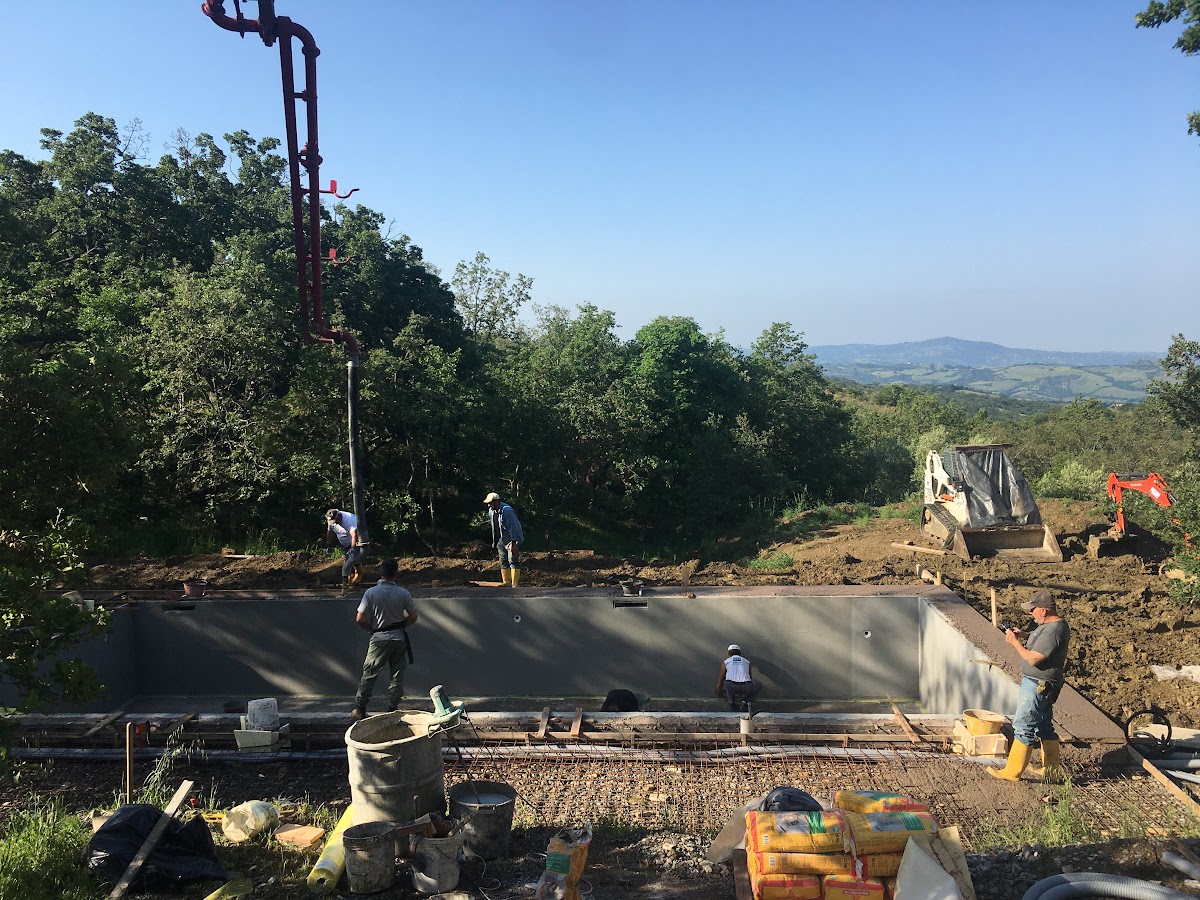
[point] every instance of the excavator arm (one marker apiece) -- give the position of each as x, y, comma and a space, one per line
1149, 483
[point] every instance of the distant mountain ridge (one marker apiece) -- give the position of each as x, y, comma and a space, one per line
1113, 376
948, 351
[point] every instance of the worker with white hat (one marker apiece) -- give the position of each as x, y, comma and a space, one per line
506, 538
736, 680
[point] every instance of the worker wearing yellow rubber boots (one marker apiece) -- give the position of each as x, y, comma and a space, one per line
506, 538
1043, 665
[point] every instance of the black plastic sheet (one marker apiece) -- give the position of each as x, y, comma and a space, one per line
186, 851
997, 493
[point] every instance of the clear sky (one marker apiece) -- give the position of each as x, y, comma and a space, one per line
872, 172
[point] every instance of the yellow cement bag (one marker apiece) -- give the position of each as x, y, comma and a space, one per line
795, 832
783, 885
565, 858
885, 832
847, 887
877, 865
801, 863
876, 801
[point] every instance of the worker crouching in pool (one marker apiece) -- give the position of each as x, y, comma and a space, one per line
1043, 666
736, 680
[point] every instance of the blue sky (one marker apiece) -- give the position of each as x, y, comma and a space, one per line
871, 172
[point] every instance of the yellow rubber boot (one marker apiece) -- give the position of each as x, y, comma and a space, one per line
505, 577
1018, 759
1051, 769
515, 577
356, 575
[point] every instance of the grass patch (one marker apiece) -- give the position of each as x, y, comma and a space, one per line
772, 562
1059, 822
799, 522
40, 853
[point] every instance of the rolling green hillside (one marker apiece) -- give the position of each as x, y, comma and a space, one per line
1047, 382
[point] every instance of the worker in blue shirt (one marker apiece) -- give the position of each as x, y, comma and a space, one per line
506, 538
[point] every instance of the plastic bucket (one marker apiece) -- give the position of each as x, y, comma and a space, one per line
370, 856
396, 772
487, 808
435, 863
983, 721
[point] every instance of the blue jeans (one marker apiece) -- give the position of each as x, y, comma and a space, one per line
509, 559
353, 558
1034, 719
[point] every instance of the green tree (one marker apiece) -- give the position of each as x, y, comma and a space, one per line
487, 301
1158, 14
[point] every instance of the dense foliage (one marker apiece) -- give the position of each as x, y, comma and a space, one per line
156, 386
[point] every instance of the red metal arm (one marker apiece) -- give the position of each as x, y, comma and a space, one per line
1149, 483
307, 234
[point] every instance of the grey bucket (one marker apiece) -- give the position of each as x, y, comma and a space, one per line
487, 810
370, 856
396, 771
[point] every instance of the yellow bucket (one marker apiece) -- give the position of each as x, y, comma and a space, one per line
983, 721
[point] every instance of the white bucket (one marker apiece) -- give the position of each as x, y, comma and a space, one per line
262, 715
245, 821
435, 863
370, 856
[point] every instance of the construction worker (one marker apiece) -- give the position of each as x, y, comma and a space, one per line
736, 680
344, 526
1043, 666
386, 611
506, 538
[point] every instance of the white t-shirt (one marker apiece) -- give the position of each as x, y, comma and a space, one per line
737, 668
343, 531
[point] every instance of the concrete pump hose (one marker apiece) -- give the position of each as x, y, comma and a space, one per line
1099, 884
1186, 866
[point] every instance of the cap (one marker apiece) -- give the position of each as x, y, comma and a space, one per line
331, 515
1041, 599
733, 648
491, 498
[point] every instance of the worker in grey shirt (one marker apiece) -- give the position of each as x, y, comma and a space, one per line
386, 611
1043, 667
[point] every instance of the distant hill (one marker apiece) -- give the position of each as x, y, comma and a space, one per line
1113, 376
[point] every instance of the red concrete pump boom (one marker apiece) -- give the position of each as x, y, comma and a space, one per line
306, 216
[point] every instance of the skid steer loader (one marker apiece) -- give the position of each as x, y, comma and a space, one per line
978, 504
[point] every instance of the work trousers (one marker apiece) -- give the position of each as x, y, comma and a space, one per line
737, 692
1034, 719
353, 558
380, 654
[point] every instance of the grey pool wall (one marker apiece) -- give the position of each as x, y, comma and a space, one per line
910, 643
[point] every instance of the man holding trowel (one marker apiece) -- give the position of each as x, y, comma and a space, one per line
344, 526
506, 538
1043, 666
386, 611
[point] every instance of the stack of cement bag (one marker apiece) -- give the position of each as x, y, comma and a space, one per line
849, 852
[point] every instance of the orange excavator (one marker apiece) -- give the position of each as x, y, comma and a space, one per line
1149, 483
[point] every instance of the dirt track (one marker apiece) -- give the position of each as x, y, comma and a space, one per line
1121, 616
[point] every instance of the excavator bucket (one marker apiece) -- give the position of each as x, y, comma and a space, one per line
1028, 543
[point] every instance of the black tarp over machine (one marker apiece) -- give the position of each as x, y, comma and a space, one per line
977, 503
306, 203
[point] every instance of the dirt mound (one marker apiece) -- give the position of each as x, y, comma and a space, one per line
1122, 618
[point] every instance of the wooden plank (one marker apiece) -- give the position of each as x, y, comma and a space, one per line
664, 737
178, 722
577, 722
915, 549
152, 839
544, 724
128, 762
906, 725
103, 723
1171, 787
741, 876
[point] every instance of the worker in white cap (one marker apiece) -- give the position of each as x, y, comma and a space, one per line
736, 680
506, 538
